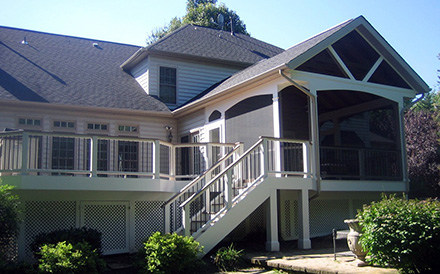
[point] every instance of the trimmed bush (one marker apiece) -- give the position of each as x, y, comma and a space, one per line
228, 258
401, 233
169, 253
70, 258
72, 236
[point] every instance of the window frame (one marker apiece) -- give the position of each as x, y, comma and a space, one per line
29, 126
167, 85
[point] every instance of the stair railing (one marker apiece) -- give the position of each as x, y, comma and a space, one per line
224, 189
172, 206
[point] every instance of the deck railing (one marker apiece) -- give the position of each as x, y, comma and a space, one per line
208, 196
360, 164
37, 153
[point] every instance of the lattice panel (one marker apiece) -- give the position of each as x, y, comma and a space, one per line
287, 229
47, 216
257, 220
112, 221
148, 218
290, 225
326, 215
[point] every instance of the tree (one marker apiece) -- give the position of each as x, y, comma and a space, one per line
423, 151
203, 13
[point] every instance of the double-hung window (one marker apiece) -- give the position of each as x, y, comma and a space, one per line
167, 85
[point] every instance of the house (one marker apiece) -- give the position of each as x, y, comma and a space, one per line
206, 133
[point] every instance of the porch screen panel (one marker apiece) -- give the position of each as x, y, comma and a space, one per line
249, 119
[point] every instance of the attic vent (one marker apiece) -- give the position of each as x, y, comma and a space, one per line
24, 42
96, 45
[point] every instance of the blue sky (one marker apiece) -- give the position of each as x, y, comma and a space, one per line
411, 27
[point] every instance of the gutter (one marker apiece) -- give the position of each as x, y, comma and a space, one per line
315, 118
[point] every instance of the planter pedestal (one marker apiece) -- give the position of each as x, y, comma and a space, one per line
353, 240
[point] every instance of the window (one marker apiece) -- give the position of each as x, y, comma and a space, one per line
130, 129
167, 88
63, 151
63, 124
94, 126
29, 122
128, 156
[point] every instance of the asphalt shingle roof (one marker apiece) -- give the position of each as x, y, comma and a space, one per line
272, 63
69, 70
197, 41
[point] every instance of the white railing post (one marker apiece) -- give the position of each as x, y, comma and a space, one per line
209, 159
94, 156
24, 153
156, 159
228, 189
306, 159
172, 162
265, 158
186, 222
167, 216
277, 156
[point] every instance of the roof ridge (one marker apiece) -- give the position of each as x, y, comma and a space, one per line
167, 36
68, 36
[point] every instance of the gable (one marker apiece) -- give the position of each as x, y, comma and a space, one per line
353, 57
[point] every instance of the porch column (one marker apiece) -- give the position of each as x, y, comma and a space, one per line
304, 226
276, 132
272, 243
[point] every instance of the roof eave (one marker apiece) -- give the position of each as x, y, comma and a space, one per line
63, 108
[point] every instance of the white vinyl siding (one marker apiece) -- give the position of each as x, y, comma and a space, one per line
192, 77
190, 122
141, 73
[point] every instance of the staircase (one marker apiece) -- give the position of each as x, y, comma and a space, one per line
218, 200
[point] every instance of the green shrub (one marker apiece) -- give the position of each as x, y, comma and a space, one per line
9, 220
69, 258
402, 233
72, 236
169, 253
228, 258
14, 267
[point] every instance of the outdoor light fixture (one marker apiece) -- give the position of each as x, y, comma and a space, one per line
170, 134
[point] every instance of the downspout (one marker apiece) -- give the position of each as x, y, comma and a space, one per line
314, 118
403, 140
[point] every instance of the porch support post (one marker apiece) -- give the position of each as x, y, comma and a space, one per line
276, 132
186, 222
304, 226
272, 243
167, 216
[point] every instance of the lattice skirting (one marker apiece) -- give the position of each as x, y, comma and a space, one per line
124, 224
47, 216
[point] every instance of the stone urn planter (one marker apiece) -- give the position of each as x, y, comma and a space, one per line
353, 240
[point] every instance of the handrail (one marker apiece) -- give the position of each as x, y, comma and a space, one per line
199, 177
198, 193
